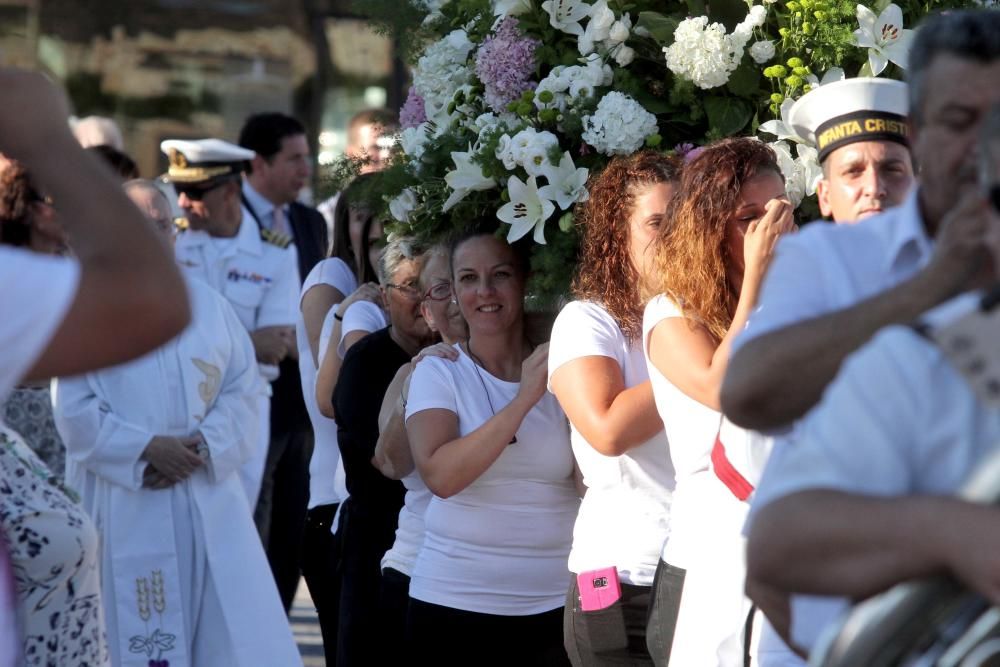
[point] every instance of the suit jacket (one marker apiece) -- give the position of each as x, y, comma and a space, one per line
288, 409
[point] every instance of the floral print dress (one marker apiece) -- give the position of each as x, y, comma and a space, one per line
54, 556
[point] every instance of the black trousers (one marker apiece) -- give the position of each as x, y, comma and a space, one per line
439, 635
321, 556
281, 508
579, 629
393, 603
668, 584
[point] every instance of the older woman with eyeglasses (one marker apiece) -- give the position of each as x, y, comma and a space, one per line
368, 523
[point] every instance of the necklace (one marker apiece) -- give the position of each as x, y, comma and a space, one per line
476, 363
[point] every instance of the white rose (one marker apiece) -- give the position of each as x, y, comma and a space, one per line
504, 153
624, 55
619, 31
403, 205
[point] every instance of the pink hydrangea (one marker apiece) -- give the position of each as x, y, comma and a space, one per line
412, 114
505, 63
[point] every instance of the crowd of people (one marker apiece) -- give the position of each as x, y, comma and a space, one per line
731, 430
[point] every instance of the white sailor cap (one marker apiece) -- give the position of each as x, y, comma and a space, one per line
204, 160
844, 112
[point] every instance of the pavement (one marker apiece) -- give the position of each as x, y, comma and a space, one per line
305, 626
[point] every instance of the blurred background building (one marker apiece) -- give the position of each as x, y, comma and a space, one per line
196, 68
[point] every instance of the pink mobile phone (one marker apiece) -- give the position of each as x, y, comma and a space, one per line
599, 589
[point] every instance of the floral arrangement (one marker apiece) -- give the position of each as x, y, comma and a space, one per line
514, 103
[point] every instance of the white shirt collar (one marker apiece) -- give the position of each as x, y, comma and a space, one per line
907, 240
260, 204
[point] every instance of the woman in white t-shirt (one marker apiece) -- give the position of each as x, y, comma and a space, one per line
598, 373
489, 583
357, 241
709, 262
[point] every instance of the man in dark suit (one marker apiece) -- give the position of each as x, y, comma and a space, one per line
277, 174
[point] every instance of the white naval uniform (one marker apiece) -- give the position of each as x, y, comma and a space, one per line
184, 574
899, 420
258, 274
823, 269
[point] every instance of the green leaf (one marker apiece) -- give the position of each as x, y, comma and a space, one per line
727, 115
745, 80
727, 12
697, 7
660, 27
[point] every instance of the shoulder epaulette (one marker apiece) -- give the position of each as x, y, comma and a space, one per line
181, 224
275, 239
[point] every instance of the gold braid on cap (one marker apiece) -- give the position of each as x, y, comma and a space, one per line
181, 171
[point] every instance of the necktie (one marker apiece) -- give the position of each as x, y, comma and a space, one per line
279, 223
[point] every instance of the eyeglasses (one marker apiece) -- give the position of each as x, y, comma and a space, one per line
409, 291
439, 292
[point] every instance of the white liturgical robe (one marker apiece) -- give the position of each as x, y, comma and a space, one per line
185, 579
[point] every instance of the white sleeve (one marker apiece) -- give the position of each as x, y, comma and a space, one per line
865, 434
362, 316
793, 289
38, 292
280, 304
584, 330
432, 386
95, 438
231, 425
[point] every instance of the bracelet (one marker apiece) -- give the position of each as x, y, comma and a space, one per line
337, 316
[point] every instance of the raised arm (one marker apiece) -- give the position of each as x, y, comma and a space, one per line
449, 463
779, 376
130, 297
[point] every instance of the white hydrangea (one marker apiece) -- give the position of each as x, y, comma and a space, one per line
762, 51
442, 70
619, 126
703, 54
414, 141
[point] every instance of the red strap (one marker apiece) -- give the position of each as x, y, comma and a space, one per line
727, 474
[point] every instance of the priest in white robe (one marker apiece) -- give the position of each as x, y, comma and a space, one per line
155, 447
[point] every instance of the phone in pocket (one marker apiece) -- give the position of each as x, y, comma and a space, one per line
602, 609
599, 589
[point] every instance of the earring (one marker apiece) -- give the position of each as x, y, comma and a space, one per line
454, 301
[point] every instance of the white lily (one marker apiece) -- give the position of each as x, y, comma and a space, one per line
808, 163
467, 177
782, 128
504, 8
832, 75
566, 183
403, 204
598, 27
795, 185
883, 36
526, 210
566, 15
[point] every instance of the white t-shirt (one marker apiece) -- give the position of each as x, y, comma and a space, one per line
500, 546
691, 428
410, 529
361, 316
326, 472
625, 516
39, 291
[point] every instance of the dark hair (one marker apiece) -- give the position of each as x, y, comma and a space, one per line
487, 227
263, 133
969, 34
691, 252
352, 196
605, 273
367, 273
119, 161
16, 197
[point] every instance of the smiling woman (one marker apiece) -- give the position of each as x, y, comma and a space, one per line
493, 447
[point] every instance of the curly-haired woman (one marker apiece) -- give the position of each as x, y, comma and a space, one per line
598, 373
706, 272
